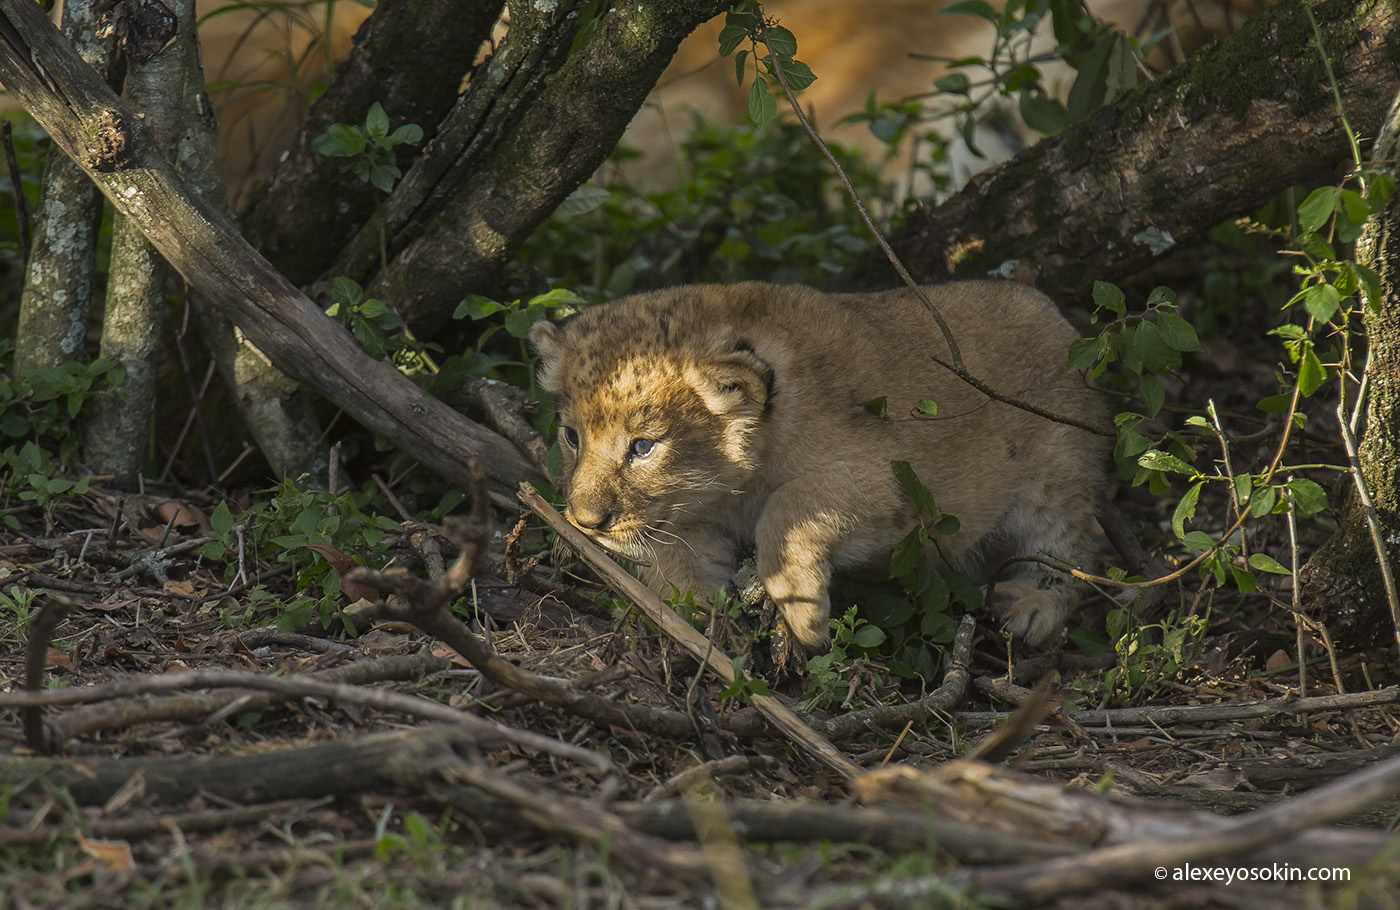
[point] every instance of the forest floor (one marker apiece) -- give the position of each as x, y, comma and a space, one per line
211, 743
418, 813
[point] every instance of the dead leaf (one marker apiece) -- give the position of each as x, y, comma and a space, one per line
442, 650
114, 854
338, 560
182, 587
57, 658
188, 519
1278, 660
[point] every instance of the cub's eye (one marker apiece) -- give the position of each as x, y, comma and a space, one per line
641, 448
570, 436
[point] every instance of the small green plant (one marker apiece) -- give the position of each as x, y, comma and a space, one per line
369, 149
852, 638
315, 532
18, 609
744, 687
1150, 654
45, 404
379, 330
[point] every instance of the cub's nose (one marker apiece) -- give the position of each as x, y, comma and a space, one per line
590, 518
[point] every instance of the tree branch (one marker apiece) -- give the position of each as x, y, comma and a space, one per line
116, 150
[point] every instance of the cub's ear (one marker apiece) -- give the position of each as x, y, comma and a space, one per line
737, 384
547, 338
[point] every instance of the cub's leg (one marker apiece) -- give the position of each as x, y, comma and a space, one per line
1056, 519
810, 524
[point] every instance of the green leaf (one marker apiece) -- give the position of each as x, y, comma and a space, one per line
1186, 509
947, 525
520, 321
869, 636
739, 61
475, 306
1244, 580
1151, 392
376, 121
1317, 208
346, 291
906, 555
1091, 85
408, 134
1042, 114
913, 488
1356, 208
1262, 562
762, 106
798, 74
1274, 404
1322, 302
1261, 501
221, 519
1311, 373
1244, 487
1371, 285
927, 406
877, 407
1157, 460
1177, 333
1110, 297
1198, 541
782, 41
1308, 497
953, 84
340, 140
1083, 353
736, 29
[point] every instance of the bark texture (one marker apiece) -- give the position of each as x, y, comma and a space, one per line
134, 315
57, 296
1207, 141
525, 136
116, 150
309, 210
1342, 583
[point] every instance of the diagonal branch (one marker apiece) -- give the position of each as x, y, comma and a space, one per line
115, 148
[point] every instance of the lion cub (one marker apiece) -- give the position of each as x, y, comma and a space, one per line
698, 420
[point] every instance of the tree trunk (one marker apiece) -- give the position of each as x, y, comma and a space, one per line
1207, 141
517, 144
134, 315
410, 56
115, 148
57, 296
1342, 584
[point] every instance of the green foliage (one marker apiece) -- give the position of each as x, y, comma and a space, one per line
744, 23
753, 204
1150, 655
744, 687
501, 350
369, 149
45, 406
17, 610
852, 638
378, 329
906, 619
305, 529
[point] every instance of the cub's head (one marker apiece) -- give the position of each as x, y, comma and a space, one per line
658, 419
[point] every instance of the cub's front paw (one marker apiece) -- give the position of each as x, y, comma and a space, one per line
1034, 614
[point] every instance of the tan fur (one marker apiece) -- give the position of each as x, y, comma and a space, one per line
754, 395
